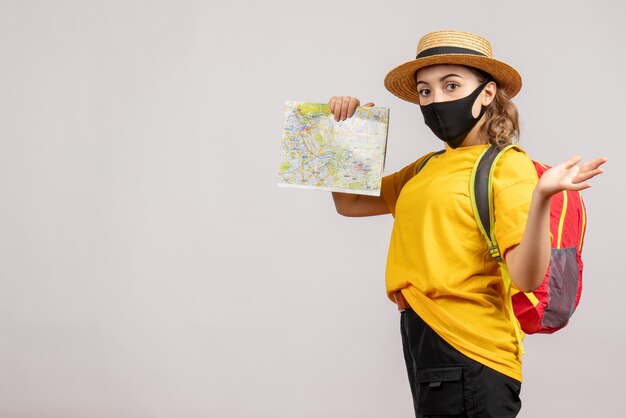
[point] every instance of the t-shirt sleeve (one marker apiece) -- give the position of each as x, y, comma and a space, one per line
514, 181
393, 183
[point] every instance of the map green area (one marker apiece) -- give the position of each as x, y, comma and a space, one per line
320, 153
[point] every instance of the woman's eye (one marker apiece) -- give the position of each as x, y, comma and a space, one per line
451, 86
424, 92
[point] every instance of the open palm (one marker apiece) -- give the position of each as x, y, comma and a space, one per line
570, 175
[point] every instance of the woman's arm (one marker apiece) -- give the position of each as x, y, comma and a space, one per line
359, 205
527, 262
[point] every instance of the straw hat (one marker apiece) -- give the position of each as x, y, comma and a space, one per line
451, 47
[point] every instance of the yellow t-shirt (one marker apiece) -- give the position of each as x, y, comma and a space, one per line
439, 258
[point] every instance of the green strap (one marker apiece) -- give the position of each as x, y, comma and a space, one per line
428, 157
481, 195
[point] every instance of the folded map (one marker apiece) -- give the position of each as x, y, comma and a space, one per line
321, 153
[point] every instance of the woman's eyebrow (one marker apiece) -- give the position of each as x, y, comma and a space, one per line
442, 78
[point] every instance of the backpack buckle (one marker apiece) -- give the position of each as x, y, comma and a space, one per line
495, 252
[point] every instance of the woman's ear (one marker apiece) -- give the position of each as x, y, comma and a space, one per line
489, 93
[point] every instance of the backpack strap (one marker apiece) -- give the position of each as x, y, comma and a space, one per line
481, 192
481, 195
427, 158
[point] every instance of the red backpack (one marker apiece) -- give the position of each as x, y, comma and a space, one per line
551, 305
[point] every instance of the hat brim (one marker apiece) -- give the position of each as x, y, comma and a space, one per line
401, 80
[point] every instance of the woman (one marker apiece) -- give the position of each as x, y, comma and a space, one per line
462, 352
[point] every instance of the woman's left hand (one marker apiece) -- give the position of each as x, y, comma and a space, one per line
569, 176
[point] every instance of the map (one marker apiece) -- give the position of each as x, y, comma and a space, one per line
321, 153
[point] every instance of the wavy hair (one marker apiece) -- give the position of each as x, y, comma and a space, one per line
501, 126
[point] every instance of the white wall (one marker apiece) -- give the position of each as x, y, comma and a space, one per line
149, 264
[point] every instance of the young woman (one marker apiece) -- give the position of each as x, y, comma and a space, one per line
461, 350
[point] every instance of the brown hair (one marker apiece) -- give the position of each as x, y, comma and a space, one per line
501, 126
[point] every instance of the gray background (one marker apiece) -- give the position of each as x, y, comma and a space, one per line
149, 264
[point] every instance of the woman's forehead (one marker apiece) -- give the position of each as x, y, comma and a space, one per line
439, 70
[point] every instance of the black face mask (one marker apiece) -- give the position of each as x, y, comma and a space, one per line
452, 121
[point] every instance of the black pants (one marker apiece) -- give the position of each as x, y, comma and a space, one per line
446, 383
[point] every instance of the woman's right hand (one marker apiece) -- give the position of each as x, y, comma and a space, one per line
343, 107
